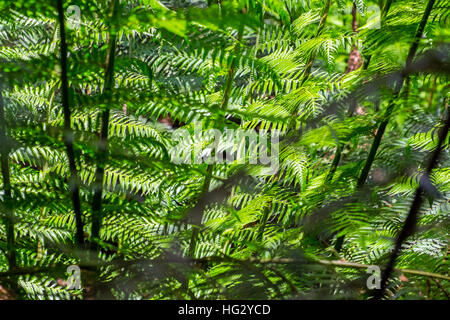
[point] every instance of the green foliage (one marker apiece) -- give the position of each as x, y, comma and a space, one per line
172, 230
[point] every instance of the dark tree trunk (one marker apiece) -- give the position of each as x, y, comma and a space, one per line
74, 183
8, 206
398, 87
102, 151
411, 220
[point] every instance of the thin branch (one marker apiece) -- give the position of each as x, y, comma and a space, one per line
347, 264
125, 263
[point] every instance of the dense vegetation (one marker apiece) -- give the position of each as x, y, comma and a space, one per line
94, 93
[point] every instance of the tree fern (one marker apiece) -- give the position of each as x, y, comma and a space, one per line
107, 139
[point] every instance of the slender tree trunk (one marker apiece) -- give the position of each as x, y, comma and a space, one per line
411, 220
231, 72
433, 90
386, 8
255, 54
354, 59
74, 183
223, 105
102, 151
382, 127
335, 163
384, 12
322, 22
8, 207
354, 62
263, 223
397, 88
205, 188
